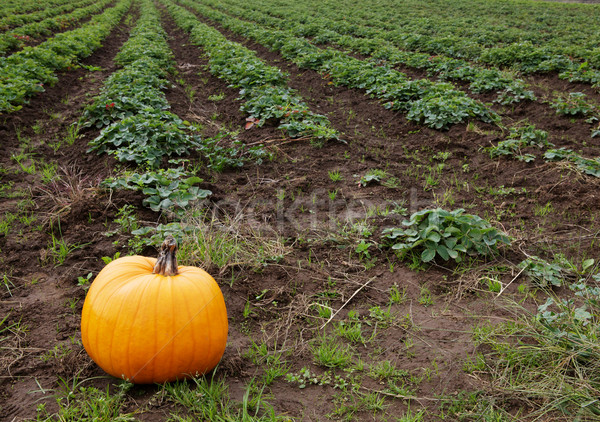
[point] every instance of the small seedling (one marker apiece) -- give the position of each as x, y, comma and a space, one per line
335, 176
425, 297
84, 281
397, 296
107, 259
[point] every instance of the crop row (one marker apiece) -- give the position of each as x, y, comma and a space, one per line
471, 28
16, 20
56, 20
14, 7
487, 23
132, 111
369, 41
264, 89
464, 37
132, 107
314, 28
24, 73
437, 105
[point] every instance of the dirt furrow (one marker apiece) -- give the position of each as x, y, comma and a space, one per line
374, 133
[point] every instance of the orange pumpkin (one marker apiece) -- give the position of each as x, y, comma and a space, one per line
147, 320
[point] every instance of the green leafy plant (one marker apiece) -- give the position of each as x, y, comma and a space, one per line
447, 234
573, 104
305, 377
515, 93
590, 166
135, 89
154, 236
145, 139
84, 281
440, 109
221, 153
165, 189
521, 137
372, 176
542, 272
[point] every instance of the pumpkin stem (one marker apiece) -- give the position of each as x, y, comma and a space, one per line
166, 263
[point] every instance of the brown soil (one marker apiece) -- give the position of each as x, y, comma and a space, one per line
433, 341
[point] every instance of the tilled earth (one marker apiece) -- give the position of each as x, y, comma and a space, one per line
547, 208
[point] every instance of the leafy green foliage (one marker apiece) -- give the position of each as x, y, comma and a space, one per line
154, 236
132, 106
439, 110
371, 41
590, 166
559, 154
136, 89
25, 72
521, 137
437, 105
573, 323
573, 104
515, 93
145, 139
165, 189
147, 41
48, 20
263, 88
542, 272
372, 176
581, 73
447, 234
220, 153
417, 39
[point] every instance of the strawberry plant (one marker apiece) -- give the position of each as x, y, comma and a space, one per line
521, 137
573, 104
439, 110
515, 93
168, 189
219, 157
581, 73
136, 89
542, 272
590, 166
447, 234
145, 139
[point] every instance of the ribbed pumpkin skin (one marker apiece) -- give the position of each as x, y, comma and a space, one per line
150, 328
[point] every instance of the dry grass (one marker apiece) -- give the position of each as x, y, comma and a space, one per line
220, 241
